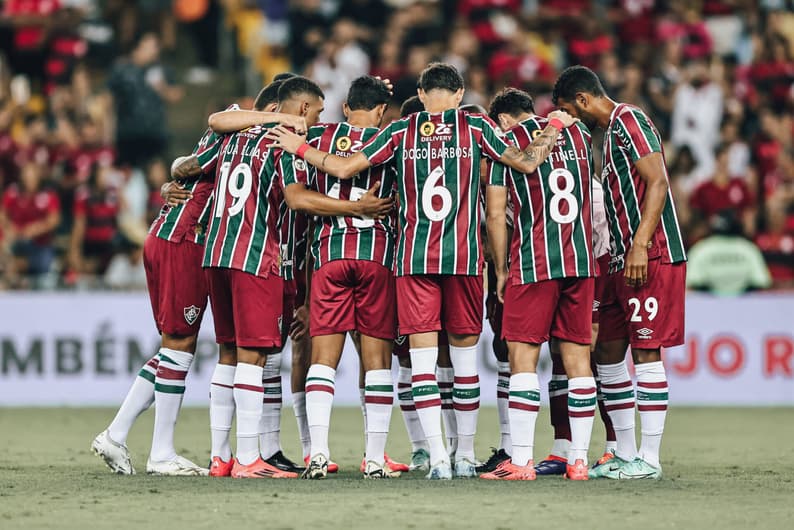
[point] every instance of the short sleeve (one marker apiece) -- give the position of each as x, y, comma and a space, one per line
491, 143
314, 135
292, 170
208, 153
381, 147
497, 173
637, 134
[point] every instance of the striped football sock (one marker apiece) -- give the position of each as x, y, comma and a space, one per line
466, 398
299, 408
379, 398
248, 394
221, 410
445, 376
581, 411
502, 401
652, 395
602, 412
362, 399
618, 393
558, 408
406, 399
169, 389
270, 421
319, 399
139, 397
427, 400
524, 406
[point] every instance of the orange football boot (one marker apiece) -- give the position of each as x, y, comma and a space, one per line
507, 471
577, 471
259, 469
219, 468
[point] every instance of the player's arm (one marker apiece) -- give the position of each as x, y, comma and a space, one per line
652, 172
340, 167
528, 160
185, 167
228, 121
496, 225
311, 202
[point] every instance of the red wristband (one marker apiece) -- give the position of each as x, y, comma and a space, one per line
301, 152
557, 123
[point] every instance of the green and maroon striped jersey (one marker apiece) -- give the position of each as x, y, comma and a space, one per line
630, 137
189, 219
249, 210
437, 157
552, 208
350, 237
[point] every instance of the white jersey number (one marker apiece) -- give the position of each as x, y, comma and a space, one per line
355, 195
560, 195
434, 189
651, 307
238, 184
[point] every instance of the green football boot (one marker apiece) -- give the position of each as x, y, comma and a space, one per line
608, 469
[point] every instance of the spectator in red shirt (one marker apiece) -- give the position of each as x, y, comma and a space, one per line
723, 193
29, 218
95, 227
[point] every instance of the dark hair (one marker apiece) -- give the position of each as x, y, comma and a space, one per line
511, 101
366, 93
575, 79
411, 105
298, 85
268, 95
721, 149
473, 108
440, 75
283, 76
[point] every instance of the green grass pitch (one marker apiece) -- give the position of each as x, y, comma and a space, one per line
724, 468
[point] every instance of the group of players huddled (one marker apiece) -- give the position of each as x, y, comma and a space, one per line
308, 231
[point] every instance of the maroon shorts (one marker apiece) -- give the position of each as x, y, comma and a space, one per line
289, 306
402, 346
247, 309
602, 271
649, 317
434, 302
351, 294
561, 308
177, 287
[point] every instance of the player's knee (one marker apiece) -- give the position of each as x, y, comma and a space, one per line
184, 343
646, 356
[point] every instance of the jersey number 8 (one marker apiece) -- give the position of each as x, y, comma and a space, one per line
560, 195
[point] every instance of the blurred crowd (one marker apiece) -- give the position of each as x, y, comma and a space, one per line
84, 144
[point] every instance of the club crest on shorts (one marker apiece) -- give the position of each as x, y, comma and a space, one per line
191, 314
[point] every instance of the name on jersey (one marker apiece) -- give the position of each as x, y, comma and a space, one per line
248, 151
435, 132
428, 153
569, 155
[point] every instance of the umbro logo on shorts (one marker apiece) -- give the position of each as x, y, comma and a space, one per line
191, 314
645, 333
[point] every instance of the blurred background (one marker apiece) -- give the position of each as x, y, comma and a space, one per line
98, 96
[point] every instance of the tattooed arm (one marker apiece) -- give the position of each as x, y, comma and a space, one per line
185, 167
527, 161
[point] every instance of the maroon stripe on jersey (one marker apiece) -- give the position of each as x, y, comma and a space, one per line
379, 400
634, 129
523, 406
427, 404
423, 377
464, 136
320, 388
246, 228
170, 374
467, 380
652, 384
412, 203
651, 408
252, 388
583, 391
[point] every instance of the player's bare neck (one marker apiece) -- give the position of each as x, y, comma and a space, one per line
363, 118
603, 112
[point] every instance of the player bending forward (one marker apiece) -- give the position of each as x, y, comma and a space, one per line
549, 289
439, 255
643, 304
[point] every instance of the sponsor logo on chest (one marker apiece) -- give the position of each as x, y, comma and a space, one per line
435, 132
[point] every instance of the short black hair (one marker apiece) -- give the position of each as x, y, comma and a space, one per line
440, 75
411, 105
511, 101
575, 79
366, 93
283, 76
298, 85
268, 95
